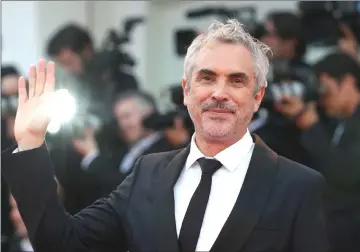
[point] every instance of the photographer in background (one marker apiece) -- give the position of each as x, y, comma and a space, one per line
116, 159
73, 49
9, 91
283, 33
336, 154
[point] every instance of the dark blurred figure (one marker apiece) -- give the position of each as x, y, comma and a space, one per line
178, 135
130, 141
20, 241
9, 88
73, 49
336, 154
284, 34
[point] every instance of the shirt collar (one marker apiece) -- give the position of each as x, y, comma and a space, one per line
239, 149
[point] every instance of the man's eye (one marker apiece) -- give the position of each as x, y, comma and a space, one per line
207, 78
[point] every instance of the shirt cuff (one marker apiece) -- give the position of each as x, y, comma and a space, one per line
16, 150
85, 163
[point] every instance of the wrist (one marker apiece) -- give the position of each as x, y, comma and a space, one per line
25, 146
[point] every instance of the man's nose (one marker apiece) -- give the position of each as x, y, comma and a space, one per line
220, 92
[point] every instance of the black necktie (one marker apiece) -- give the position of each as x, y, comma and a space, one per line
191, 225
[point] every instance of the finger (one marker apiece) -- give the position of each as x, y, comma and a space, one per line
32, 80
347, 31
50, 77
41, 77
23, 97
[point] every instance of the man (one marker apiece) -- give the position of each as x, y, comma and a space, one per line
9, 89
259, 201
133, 139
283, 33
72, 47
336, 153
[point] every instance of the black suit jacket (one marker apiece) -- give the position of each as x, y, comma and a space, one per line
279, 207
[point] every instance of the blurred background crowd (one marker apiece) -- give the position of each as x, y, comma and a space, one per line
119, 72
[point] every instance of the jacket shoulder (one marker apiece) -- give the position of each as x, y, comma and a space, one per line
157, 160
296, 172
158, 156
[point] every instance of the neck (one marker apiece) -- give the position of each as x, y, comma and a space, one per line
210, 147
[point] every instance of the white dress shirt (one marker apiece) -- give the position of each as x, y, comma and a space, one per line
26, 245
226, 186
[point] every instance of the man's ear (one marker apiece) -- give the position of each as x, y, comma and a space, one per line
185, 87
259, 95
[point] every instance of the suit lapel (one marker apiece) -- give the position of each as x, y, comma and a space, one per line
251, 200
164, 209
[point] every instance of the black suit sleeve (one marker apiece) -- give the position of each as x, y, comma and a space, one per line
340, 166
309, 232
99, 227
104, 172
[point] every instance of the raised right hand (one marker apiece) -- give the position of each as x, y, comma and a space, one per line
32, 117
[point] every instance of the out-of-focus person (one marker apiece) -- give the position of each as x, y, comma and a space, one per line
72, 47
131, 141
178, 135
9, 90
20, 241
336, 153
283, 33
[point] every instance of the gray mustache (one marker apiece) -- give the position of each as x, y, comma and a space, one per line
217, 104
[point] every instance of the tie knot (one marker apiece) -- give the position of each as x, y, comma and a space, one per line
209, 166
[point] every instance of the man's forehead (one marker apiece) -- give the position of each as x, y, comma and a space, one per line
224, 58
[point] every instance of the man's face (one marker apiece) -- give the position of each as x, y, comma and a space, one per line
220, 96
9, 85
70, 61
280, 47
129, 117
335, 95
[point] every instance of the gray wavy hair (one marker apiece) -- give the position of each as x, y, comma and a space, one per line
231, 32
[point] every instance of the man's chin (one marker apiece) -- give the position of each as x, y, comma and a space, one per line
217, 132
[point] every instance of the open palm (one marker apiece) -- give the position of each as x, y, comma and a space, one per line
32, 117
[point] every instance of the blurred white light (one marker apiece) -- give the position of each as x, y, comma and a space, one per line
54, 127
63, 106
